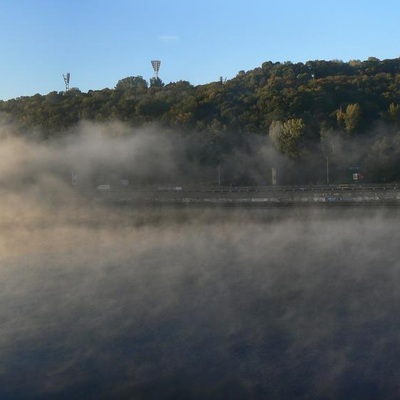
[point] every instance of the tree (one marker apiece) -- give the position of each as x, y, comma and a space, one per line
287, 136
382, 163
134, 83
349, 118
156, 82
394, 113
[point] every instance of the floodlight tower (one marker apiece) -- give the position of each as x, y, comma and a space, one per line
66, 80
156, 67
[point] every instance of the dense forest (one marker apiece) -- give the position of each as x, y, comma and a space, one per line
327, 121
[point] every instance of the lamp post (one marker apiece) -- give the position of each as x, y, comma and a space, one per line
327, 169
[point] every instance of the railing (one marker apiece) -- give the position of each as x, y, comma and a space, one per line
332, 194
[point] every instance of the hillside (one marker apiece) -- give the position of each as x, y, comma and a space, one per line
341, 116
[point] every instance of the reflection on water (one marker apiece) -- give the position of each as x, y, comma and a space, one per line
183, 304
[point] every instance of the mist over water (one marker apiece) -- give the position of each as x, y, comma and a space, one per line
209, 304
184, 303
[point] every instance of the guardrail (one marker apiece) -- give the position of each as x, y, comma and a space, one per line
277, 195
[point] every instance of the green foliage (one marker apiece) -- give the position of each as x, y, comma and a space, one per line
295, 102
132, 83
156, 82
382, 162
287, 136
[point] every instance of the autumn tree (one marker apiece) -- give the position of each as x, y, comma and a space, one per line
394, 113
350, 118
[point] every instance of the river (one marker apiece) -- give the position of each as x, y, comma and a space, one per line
170, 303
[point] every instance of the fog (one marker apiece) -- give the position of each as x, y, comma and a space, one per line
99, 302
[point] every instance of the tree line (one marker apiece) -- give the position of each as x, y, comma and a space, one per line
322, 117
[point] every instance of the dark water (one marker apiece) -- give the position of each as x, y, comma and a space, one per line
222, 304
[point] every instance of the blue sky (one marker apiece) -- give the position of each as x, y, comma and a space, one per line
100, 42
